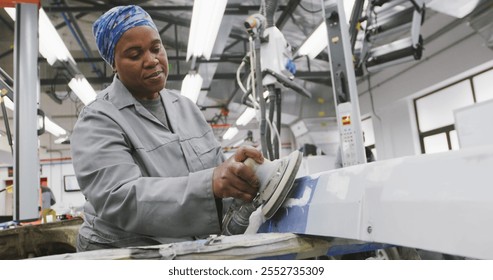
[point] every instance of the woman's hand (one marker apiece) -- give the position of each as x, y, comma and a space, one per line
234, 179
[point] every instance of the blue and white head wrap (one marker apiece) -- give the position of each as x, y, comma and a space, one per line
109, 28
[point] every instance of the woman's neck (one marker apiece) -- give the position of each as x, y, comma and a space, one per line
152, 96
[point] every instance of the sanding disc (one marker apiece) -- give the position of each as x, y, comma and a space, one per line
286, 182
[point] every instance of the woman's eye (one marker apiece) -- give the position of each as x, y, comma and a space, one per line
134, 56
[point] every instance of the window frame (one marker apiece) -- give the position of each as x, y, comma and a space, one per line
447, 128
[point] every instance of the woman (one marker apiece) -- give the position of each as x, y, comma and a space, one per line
144, 156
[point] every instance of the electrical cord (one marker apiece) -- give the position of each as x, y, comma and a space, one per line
238, 79
371, 98
309, 11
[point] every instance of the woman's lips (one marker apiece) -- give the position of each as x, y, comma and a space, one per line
155, 74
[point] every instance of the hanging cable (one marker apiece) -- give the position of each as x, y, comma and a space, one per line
276, 124
257, 90
309, 11
252, 68
270, 128
238, 79
371, 98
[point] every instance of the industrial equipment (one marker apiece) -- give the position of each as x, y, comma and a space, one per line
276, 181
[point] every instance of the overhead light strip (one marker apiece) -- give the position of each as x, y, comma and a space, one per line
206, 19
230, 133
81, 87
54, 128
191, 86
315, 43
246, 117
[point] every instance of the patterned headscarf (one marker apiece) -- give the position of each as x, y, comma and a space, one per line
109, 28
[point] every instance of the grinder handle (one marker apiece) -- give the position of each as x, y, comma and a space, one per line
253, 164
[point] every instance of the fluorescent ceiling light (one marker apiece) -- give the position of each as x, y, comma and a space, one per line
50, 126
230, 133
61, 140
8, 103
51, 45
206, 18
191, 86
317, 41
11, 12
348, 8
246, 117
54, 128
81, 87
457, 8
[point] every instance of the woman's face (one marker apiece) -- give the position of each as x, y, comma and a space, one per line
141, 62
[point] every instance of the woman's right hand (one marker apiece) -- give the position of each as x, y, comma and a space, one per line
235, 179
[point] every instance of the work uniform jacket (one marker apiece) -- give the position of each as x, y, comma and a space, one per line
142, 181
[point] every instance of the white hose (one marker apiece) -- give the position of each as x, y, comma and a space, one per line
238, 80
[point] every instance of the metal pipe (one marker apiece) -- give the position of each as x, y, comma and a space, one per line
268, 134
26, 163
76, 36
259, 89
278, 123
270, 10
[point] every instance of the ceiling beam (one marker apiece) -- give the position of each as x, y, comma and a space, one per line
8, 23
214, 59
231, 9
287, 12
312, 76
63, 24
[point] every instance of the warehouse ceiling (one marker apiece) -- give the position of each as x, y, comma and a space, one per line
220, 99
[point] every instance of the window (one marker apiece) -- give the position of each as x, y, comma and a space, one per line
435, 111
454, 140
369, 135
436, 143
482, 86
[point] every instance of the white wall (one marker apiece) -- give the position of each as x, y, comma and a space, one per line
470, 124
55, 171
395, 131
3, 195
395, 88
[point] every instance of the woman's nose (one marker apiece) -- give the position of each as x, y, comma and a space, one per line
151, 60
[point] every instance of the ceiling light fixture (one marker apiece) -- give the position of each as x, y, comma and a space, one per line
319, 39
315, 43
81, 87
246, 117
52, 48
206, 18
50, 126
65, 139
8, 103
457, 8
191, 86
51, 45
230, 133
54, 128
